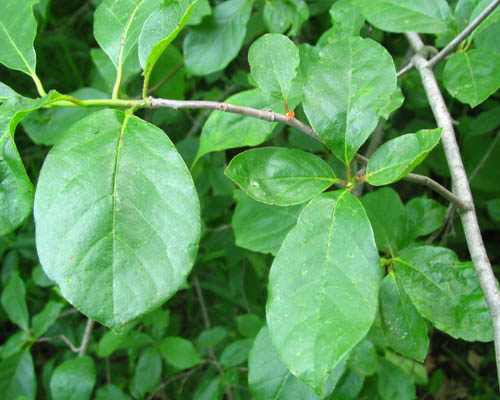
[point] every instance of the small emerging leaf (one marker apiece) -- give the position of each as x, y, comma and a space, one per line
280, 176
398, 157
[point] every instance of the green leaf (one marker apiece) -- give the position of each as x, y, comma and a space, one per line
429, 16
17, 33
111, 392
493, 209
236, 352
280, 176
404, 328
345, 91
347, 19
45, 318
212, 45
279, 15
14, 301
6, 92
260, 227
211, 337
274, 60
179, 352
349, 386
209, 389
17, 376
227, 130
389, 228
47, 126
14, 344
446, 292
490, 22
112, 342
269, 378
159, 30
131, 68
473, 76
398, 157
117, 25
416, 370
73, 379
424, 216
127, 223
363, 358
323, 287
393, 382
147, 373
248, 324
168, 66
201, 9
16, 190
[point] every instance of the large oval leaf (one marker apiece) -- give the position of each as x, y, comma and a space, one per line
280, 176
117, 25
17, 33
446, 292
427, 16
473, 76
345, 91
274, 60
323, 286
398, 157
210, 46
117, 217
17, 376
269, 378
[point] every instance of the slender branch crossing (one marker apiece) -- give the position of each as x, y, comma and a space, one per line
462, 190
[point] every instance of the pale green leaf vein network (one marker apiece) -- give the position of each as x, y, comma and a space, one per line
17, 49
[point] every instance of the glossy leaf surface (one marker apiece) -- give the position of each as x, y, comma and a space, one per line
159, 30
125, 224
398, 157
226, 130
17, 376
261, 227
347, 19
282, 15
274, 60
426, 16
445, 291
73, 379
17, 33
117, 25
345, 91
212, 45
472, 76
280, 176
269, 378
404, 328
323, 287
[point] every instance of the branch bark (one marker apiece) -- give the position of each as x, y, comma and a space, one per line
461, 189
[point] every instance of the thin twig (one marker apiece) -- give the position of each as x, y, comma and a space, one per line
86, 337
432, 184
266, 115
455, 42
463, 35
485, 157
206, 321
461, 188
